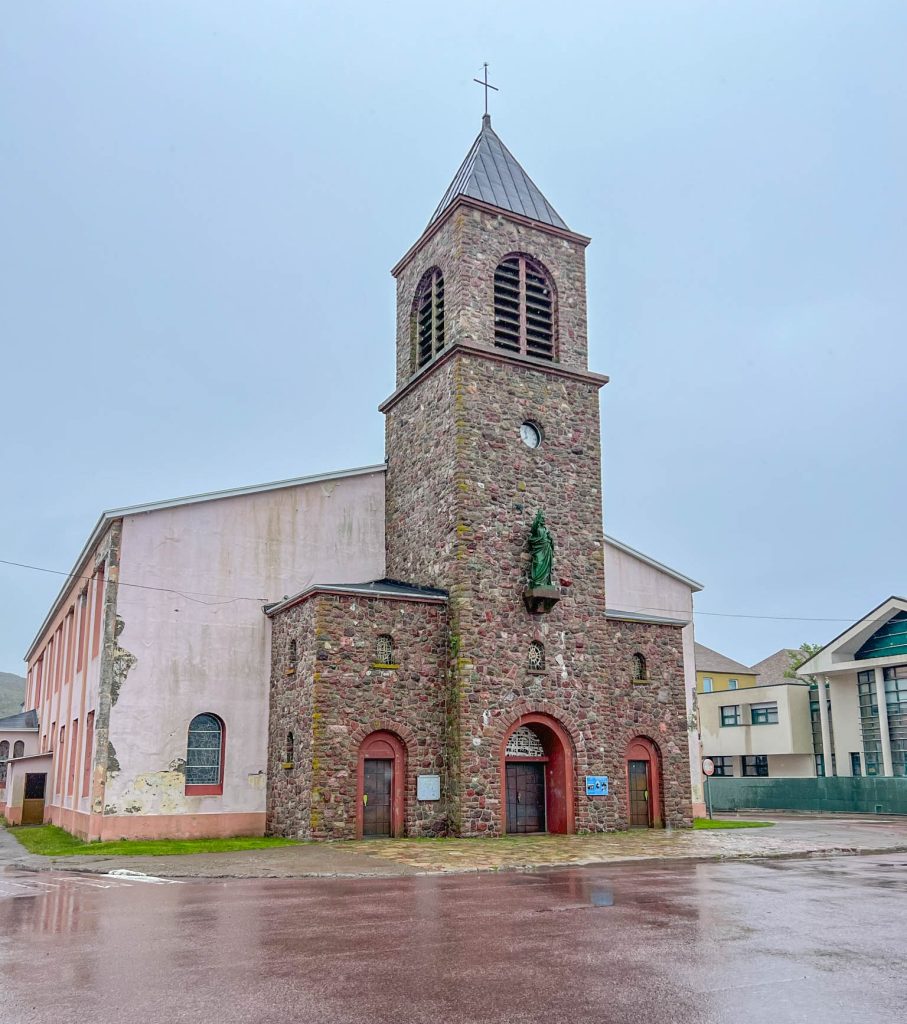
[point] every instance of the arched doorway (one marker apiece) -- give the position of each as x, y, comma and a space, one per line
643, 784
380, 786
537, 777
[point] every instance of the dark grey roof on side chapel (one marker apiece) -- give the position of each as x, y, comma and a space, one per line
492, 174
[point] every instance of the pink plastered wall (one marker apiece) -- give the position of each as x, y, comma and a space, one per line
194, 638
63, 683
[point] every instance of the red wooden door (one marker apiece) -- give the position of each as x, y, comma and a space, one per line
378, 786
640, 793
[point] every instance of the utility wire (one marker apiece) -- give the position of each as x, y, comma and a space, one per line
194, 596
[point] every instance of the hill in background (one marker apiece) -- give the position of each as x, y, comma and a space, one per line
12, 693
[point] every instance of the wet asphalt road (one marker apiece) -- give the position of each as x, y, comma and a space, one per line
772, 941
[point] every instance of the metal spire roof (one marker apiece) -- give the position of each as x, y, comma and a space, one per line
492, 174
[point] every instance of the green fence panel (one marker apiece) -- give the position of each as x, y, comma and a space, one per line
862, 795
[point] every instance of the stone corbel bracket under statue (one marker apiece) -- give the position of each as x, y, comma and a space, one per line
540, 595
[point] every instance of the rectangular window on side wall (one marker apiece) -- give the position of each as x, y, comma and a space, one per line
855, 766
730, 714
88, 741
707, 684
755, 765
732, 684
765, 713
820, 766
724, 767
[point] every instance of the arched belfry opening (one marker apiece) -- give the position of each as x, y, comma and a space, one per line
537, 776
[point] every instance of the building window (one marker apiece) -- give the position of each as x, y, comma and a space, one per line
730, 714
524, 308
896, 701
639, 667
19, 749
536, 657
428, 313
291, 658
707, 684
384, 650
205, 755
820, 766
289, 750
764, 714
855, 767
755, 764
732, 684
724, 767
86, 766
4, 749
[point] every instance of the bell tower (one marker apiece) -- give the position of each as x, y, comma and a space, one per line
495, 418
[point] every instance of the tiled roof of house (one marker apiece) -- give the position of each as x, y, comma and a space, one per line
771, 669
25, 720
708, 660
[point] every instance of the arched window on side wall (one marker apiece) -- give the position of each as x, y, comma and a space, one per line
524, 308
19, 749
205, 756
639, 667
428, 315
4, 749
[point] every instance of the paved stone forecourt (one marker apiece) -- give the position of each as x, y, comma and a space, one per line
787, 837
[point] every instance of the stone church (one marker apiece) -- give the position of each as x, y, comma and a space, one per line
455, 666
445, 662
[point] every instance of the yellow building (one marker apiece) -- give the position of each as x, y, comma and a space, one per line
715, 672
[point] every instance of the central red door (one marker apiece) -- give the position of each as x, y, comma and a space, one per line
526, 797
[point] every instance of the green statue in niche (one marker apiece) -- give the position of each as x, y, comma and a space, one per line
541, 547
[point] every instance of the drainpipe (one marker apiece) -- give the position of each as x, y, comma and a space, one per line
827, 752
884, 734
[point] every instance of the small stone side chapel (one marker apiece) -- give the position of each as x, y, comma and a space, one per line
463, 695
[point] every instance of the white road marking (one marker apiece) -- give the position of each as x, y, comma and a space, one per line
124, 874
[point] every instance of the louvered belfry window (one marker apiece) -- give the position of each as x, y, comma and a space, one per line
524, 308
429, 316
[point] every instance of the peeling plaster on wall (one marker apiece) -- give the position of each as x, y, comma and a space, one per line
123, 661
159, 793
105, 754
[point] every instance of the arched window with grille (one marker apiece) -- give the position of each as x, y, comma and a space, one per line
638, 667
205, 756
384, 650
524, 313
4, 750
428, 316
19, 748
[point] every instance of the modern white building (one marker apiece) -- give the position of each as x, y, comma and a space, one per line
863, 676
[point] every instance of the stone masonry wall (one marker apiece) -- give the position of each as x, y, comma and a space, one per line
468, 247
477, 468
290, 708
344, 697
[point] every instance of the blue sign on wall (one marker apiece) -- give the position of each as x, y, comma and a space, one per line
596, 785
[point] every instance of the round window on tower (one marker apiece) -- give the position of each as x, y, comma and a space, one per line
531, 434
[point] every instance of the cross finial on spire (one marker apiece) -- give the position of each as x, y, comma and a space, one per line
484, 83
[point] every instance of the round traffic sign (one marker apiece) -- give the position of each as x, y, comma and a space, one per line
708, 766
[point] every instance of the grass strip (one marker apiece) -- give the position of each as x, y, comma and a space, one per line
50, 841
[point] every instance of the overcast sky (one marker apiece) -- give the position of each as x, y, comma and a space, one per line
201, 201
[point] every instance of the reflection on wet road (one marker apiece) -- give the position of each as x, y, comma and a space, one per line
773, 941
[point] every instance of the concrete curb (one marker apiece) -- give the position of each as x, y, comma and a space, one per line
37, 864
